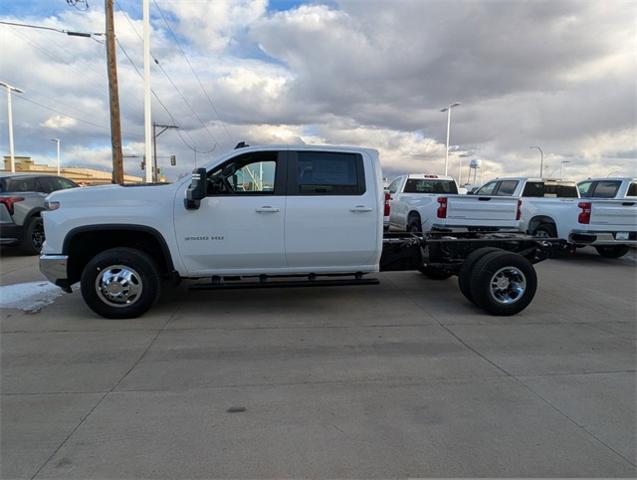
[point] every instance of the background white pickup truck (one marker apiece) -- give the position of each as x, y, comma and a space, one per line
424, 203
553, 209
265, 213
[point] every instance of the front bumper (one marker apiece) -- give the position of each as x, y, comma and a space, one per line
584, 237
54, 268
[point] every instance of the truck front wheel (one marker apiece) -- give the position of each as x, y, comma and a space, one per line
120, 283
503, 283
613, 251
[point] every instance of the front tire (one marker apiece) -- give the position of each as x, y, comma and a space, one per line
613, 251
120, 283
33, 237
503, 283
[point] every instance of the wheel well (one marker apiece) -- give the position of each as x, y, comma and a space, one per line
84, 244
538, 220
412, 214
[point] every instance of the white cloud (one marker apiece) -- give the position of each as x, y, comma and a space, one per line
59, 122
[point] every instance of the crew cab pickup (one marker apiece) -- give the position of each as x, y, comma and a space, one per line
298, 213
552, 209
425, 203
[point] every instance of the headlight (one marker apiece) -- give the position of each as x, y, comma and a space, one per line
51, 205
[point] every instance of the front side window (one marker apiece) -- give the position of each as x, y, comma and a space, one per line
53, 184
327, 173
632, 190
426, 185
487, 189
252, 174
393, 186
584, 188
506, 188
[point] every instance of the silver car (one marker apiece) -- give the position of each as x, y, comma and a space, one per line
21, 201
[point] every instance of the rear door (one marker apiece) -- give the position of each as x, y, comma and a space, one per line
333, 215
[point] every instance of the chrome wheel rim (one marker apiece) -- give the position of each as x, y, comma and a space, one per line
507, 285
119, 286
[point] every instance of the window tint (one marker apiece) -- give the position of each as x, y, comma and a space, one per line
632, 190
427, 185
487, 189
533, 189
604, 189
507, 187
53, 184
393, 186
254, 177
326, 173
21, 184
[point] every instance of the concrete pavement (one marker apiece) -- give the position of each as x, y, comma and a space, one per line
405, 379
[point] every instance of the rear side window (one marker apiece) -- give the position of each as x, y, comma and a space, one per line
602, 189
632, 190
425, 185
533, 189
560, 191
22, 184
507, 187
327, 173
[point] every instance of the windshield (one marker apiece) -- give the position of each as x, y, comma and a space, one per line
430, 185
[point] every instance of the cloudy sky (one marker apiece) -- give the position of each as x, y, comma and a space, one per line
558, 74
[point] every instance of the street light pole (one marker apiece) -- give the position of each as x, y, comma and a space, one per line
541, 159
155, 135
562, 165
57, 140
10, 88
448, 110
148, 128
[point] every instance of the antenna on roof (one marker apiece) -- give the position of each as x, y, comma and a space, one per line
241, 145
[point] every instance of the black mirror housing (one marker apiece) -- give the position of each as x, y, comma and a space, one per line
197, 189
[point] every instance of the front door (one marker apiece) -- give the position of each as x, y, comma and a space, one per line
239, 227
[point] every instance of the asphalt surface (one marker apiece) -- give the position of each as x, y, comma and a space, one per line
405, 379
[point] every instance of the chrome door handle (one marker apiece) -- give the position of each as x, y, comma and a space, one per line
267, 209
360, 208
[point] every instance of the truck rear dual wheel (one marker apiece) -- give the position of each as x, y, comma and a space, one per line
500, 282
120, 283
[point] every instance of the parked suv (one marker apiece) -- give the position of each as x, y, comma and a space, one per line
21, 201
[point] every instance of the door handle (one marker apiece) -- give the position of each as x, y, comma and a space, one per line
360, 208
267, 209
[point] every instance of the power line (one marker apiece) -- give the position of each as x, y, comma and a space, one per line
183, 53
88, 122
59, 30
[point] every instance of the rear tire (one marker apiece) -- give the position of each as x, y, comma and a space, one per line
32, 237
464, 276
414, 225
120, 283
545, 230
503, 283
613, 251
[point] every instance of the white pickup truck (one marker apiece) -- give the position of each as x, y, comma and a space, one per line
425, 203
279, 215
552, 209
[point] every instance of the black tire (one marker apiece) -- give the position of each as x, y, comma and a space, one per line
32, 237
144, 277
613, 251
464, 275
435, 273
414, 224
545, 230
512, 268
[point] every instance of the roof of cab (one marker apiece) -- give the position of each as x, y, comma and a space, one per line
429, 176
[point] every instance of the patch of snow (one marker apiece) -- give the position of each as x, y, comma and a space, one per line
30, 297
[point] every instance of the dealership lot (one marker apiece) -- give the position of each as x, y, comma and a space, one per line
403, 379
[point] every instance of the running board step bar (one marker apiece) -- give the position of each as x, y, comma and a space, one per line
284, 283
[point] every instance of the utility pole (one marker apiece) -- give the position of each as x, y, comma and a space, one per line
10, 88
57, 140
113, 95
155, 135
147, 113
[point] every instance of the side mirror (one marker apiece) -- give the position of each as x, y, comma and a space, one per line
197, 189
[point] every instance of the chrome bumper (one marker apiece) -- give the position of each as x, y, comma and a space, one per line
53, 267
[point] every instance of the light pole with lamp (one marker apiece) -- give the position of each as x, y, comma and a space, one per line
57, 140
448, 110
10, 89
541, 159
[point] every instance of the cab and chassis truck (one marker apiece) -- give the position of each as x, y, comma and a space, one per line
273, 216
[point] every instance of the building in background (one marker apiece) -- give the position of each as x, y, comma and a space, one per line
81, 176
